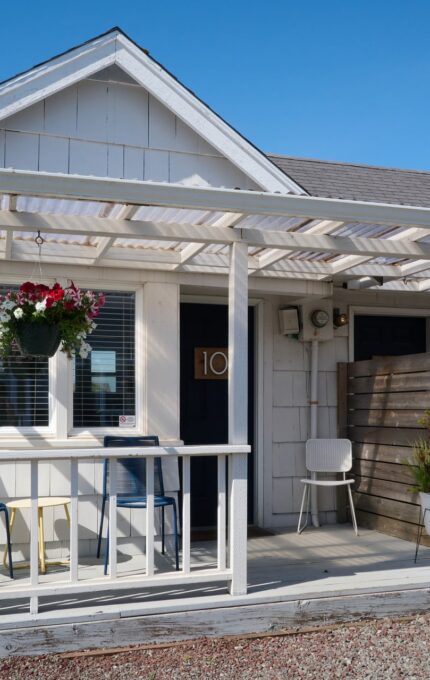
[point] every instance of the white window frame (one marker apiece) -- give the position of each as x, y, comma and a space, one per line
60, 401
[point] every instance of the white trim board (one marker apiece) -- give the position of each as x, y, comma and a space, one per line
115, 47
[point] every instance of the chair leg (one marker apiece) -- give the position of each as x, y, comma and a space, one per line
107, 552
99, 537
351, 505
9, 546
163, 547
419, 533
175, 522
305, 494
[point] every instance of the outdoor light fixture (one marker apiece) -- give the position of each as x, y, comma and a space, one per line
319, 318
339, 319
364, 282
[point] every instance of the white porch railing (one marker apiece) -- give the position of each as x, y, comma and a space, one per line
231, 558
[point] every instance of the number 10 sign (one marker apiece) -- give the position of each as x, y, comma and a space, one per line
210, 363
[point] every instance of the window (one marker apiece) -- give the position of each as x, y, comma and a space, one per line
104, 383
24, 389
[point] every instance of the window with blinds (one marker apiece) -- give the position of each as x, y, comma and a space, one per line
104, 383
24, 389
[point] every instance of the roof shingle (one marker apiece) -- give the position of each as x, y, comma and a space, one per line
353, 182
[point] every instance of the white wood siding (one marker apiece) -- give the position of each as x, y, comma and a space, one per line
113, 129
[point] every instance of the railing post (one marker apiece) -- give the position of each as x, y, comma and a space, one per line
186, 509
238, 412
34, 533
74, 559
149, 516
221, 512
112, 517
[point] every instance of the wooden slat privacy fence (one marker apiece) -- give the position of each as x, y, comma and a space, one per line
380, 402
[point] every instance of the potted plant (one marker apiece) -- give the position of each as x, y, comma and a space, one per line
37, 318
419, 466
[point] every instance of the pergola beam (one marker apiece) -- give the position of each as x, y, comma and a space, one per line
245, 202
145, 230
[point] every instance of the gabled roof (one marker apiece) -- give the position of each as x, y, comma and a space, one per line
114, 47
350, 181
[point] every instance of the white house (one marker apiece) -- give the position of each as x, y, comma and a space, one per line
143, 192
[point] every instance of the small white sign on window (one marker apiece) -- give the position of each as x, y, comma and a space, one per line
127, 421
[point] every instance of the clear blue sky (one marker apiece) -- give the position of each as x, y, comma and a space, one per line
344, 80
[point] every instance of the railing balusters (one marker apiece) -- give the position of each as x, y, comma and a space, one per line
186, 513
231, 540
34, 533
149, 516
221, 533
112, 517
74, 558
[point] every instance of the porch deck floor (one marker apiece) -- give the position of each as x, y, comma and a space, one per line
328, 561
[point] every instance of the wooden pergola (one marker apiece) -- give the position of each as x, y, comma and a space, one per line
122, 223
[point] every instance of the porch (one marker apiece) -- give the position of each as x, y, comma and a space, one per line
320, 576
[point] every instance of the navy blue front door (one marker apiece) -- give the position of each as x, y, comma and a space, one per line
204, 405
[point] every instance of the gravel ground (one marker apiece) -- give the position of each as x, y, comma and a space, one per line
383, 649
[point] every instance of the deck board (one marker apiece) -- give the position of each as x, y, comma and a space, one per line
327, 565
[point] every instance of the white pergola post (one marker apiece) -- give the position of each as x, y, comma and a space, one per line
238, 412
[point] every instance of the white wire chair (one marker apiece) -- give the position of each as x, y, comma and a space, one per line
327, 455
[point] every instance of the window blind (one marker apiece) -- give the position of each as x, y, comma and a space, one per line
104, 382
24, 389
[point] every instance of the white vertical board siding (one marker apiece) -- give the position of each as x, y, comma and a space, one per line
134, 163
128, 115
92, 111
54, 154
157, 166
112, 129
22, 150
61, 113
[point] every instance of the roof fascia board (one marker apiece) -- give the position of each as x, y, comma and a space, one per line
56, 75
164, 87
135, 192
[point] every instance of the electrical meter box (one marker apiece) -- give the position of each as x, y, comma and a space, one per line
317, 321
289, 321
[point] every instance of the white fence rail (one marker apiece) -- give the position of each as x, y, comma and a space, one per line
231, 558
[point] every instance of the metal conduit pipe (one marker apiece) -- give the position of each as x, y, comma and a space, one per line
314, 424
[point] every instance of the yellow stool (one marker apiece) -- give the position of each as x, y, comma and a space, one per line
44, 502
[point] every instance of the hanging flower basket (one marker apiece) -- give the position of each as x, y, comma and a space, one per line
37, 339
37, 319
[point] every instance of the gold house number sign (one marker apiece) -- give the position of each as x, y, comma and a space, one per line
210, 363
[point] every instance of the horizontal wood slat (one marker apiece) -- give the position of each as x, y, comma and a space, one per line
382, 453
386, 398
398, 400
392, 527
385, 488
411, 363
404, 382
377, 418
406, 512
375, 470
385, 435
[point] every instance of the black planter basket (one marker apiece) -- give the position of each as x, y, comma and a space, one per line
37, 339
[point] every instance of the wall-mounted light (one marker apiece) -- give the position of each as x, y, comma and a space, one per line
364, 282
319, 318
340, 318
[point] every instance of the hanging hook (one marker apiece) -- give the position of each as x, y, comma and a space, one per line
39, 239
